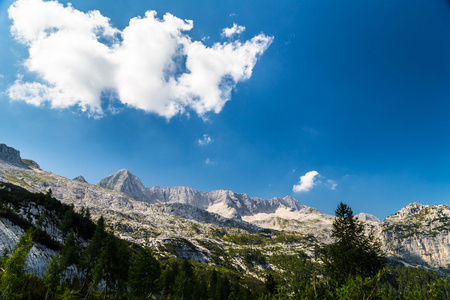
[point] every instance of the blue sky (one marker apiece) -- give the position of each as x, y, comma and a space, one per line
356, 91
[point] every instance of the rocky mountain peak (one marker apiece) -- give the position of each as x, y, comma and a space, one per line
407, 211
126, 182
367, 217
11, 156
80, 179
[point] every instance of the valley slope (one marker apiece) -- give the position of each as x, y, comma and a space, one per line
234, 230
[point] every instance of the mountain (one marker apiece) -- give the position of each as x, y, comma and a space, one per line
80, 179
225, 203
419, 234
124, 181
222, 227
11, 156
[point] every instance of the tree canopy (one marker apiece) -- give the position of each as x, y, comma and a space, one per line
353, 253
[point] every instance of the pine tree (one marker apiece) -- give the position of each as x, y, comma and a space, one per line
270, 284
4, 257
52, 276
14, 274
69, 253
144, 274
213, 289
67, 221
184, 282
40, 221
168, 276
113, 264
93, 250
353, 253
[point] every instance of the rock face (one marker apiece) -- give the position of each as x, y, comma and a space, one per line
126, 182
11, 156
225, 203
419, 234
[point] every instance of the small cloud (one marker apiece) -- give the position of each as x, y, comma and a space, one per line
332, 184
306, 182
210, 162
236, 29
205, 140
205, 38
233, 15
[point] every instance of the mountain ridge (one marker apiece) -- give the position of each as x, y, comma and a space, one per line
416, 234
223, 202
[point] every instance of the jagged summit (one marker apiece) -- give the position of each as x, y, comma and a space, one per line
126, 182
80, 179
223, 202
11, 156
407, 211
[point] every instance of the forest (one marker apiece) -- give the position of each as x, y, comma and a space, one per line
107, 267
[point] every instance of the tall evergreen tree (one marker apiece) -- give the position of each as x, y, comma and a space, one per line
14, 274
168, 276
67, 221
52, 276
69, 253
185, 282
353, 253
90, 255
113, 264
144, 274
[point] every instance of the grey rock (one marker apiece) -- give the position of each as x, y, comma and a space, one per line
126, 182
419, 234
367, 218
11, 156
80, 179
31, 163
222, 202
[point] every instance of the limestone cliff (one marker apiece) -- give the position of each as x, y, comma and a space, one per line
419, 234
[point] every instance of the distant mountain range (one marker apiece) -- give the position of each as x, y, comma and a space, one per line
204, 226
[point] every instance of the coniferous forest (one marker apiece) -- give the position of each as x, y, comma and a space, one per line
92, 263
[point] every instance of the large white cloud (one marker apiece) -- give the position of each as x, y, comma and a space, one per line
151, 65
306, 182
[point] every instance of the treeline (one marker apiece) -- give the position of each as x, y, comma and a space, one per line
110, 268
104, 268
353, 267
92, 263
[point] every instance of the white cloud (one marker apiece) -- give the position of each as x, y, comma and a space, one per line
151, 65
332, 184
210, 162
236, 29
306, 182
205, 140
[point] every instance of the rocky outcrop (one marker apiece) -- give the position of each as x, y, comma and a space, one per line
126, 182
80, 179
31, 163
419, 234
11, 156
